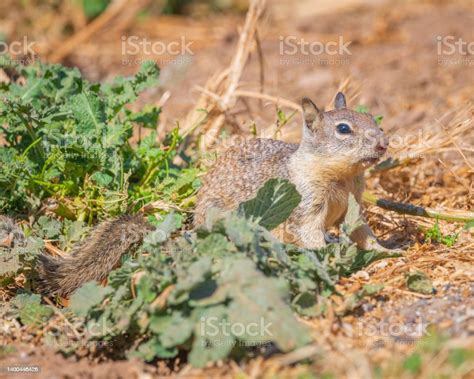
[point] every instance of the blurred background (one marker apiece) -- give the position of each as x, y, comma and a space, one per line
393, 65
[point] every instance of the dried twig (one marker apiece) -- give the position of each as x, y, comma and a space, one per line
224, 84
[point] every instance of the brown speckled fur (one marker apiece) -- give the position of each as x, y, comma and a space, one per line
240, 172
325, 167
94, 258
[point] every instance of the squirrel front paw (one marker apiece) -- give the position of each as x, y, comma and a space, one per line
373, 244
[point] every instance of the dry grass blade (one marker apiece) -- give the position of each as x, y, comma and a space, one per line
431, 140
224, 84
297, 355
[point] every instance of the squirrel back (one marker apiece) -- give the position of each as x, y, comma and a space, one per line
240, 171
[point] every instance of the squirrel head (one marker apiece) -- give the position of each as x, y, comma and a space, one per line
346, 137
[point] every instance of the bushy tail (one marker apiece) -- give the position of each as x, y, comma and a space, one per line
94, 258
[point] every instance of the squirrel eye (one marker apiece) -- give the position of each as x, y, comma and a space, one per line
343, 128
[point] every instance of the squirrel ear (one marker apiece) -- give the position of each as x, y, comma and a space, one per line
311, 112
340, 101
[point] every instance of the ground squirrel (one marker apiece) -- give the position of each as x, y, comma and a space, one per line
329, 163
336, 147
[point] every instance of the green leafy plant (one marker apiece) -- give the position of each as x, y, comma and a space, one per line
68, 139
435, 234
30, 310
226, 288
451, 361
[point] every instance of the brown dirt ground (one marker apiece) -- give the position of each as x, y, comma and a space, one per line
395, 69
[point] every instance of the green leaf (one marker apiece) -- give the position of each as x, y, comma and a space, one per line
372, 289
48, 228
353, 219
419, 282
355, 300
378, 119
73, 231
89, 112
191, 277
469, 225
173, 330
413, 363
215, 245
162, 233
148, 117
212, 341
362, 109
458, 356
260, 302
31, 311
273, 204
146, 289
152, 349
93, 8
306, 304
101, 178
86, 297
